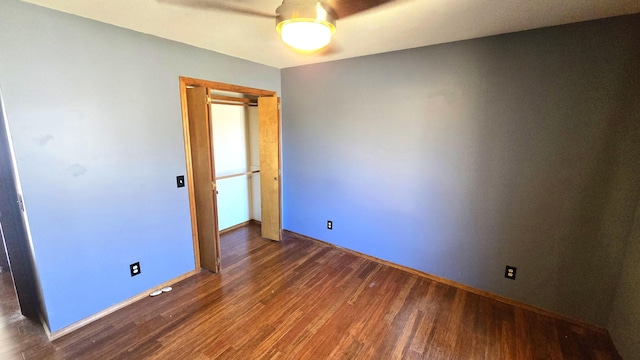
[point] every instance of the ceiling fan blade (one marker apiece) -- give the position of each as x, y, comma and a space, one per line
344, 8
218, 5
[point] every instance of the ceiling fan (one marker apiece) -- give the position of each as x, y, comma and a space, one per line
305, 25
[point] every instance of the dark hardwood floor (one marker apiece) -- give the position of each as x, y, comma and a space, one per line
299, 299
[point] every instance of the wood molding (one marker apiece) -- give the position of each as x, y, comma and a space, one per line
189, 163
185, 82
230, 104
243, 224
86, 321
45, 326
227, 99
234, 227
290, 235
226, 87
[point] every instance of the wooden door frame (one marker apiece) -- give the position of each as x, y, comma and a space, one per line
212, 85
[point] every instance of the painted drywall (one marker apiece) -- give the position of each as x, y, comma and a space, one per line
233, 201
235, 140
230, 153
95, 116
461, 158
624, 324
229, 139
624, 321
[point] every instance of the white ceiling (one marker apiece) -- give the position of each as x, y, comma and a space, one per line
401, 24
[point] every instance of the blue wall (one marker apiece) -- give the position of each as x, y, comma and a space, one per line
454, 159
461, 158
95, 117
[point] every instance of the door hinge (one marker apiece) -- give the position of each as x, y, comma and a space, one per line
213, 185
209, 100
218, 262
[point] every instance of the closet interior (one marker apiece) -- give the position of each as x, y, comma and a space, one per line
235, 138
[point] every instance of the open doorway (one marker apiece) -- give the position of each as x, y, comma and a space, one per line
17, 249
197, 99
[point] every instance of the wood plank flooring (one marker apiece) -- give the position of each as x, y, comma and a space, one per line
300, 299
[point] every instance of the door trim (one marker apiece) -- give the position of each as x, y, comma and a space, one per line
211, 85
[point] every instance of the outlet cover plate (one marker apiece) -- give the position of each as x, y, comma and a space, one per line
510, 272
135, 269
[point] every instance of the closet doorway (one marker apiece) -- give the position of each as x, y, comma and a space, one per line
204, 104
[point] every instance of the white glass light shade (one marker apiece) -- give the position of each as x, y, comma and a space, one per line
306, 34
306, 25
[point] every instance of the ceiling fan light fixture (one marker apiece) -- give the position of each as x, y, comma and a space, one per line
305, 25
306, 35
